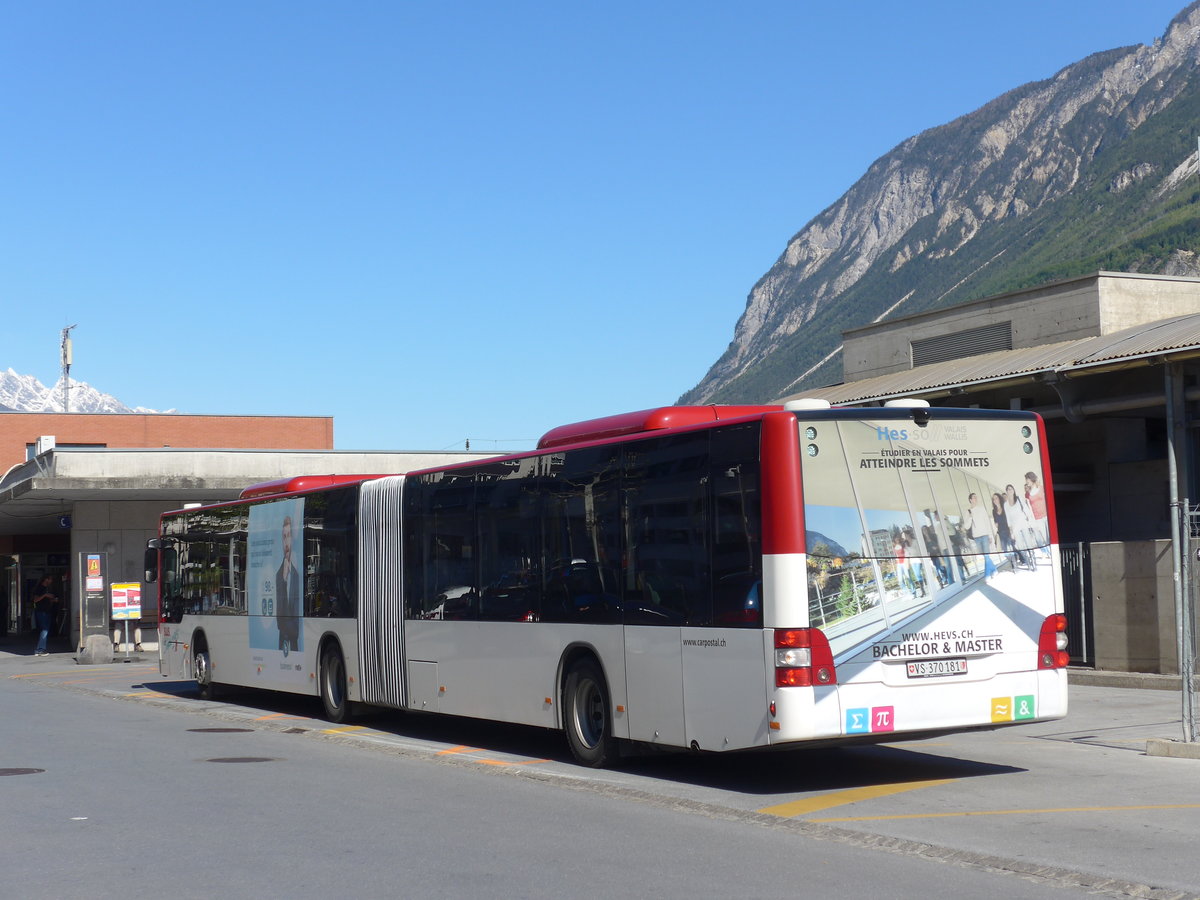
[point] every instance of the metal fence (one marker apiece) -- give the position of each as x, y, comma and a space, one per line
1077, 602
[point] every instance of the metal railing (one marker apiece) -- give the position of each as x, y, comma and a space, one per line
1077, 602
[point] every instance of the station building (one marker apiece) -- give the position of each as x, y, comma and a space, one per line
1111, 361
77, 484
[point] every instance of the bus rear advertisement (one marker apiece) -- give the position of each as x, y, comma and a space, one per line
713, 578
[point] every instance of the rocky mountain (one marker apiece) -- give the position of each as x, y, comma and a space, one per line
24, 393
1094, 168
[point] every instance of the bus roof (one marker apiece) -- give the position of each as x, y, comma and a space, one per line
300, 483
644, 420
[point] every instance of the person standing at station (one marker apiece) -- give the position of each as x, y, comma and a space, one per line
45, 604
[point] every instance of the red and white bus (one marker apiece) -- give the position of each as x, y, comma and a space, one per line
713, 578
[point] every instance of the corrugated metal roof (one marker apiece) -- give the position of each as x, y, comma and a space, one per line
1169, 337
1165, 336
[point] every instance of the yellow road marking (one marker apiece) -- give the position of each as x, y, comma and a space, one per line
118, 673
1012, 812
281, 716
345, 729
851, 795
39, 674
489, 762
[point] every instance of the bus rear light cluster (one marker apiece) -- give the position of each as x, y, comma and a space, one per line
803, 658
1052, 643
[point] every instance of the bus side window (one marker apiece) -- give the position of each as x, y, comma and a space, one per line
737, 526
330, 550
441, 580
508, 509
582, 543
666, 507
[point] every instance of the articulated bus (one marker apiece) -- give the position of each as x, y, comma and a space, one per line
713, 578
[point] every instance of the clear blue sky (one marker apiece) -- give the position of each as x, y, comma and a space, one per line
439, 221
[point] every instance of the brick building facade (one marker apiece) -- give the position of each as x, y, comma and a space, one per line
19, 432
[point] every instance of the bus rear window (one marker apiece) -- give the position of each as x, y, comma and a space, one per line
867, 484
896, 511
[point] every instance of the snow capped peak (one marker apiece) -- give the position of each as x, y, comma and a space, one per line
24, 393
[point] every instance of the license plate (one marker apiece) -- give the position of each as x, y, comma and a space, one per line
931, 668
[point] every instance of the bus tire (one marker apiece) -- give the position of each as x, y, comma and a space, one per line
587, 714
333, 684
202, 666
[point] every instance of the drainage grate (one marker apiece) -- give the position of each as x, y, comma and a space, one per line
242, 759
21, 771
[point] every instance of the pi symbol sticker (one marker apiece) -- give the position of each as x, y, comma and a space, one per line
883, 718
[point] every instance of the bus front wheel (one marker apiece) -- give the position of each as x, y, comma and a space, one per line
588, 716
202, 665
333, 685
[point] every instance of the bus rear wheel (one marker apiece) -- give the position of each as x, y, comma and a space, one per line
333, 685
588, 716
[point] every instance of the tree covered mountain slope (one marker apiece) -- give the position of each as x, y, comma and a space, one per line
1094, 168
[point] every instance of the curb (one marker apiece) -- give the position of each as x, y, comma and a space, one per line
1140, 680
1173, 749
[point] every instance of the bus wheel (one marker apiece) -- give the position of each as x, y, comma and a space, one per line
587, 718
202, 666
333, 685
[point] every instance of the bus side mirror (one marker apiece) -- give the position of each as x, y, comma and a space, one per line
151, 560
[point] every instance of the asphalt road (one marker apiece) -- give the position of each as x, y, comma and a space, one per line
146, 791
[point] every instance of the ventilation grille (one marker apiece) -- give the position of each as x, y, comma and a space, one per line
972, 342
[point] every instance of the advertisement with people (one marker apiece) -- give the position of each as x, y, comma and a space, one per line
275, 588
925, 544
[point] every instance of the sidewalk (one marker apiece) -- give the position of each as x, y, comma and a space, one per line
23, 644
61, 650
1143, 680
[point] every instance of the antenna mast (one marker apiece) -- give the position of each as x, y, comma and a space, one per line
66, 367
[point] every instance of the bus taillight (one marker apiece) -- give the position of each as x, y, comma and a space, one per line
803, 658
1052, 643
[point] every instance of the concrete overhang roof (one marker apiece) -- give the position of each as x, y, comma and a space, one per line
1157, 342
35, 494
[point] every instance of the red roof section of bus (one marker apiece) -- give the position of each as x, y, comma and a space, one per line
300, 483
644, 420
